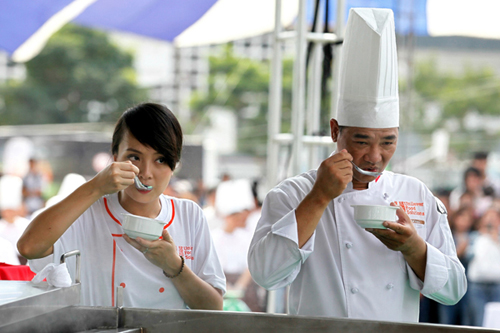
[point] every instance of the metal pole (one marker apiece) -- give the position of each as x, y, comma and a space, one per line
298, 91
314, 97
340, 31
274, 105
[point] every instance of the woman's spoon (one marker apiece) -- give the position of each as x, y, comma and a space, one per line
141, 186
366, 173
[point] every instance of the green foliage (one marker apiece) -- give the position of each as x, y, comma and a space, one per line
242, 85
77, 66
457, 94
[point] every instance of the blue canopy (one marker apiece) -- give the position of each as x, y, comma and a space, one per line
31, 22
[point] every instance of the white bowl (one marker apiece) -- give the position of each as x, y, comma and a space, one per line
140, 226
372, 216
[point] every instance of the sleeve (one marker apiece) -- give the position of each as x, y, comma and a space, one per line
206, 264
69, 241
445, 280
274, 258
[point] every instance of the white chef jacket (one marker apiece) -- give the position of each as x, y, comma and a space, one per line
108, 261
343, 270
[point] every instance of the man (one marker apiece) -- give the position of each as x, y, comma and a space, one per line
307, 236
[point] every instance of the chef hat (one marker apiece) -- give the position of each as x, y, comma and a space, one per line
70, 182
368, 87
11, 192
234, 196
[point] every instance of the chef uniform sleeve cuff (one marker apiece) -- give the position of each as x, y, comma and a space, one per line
287, 227
436, 273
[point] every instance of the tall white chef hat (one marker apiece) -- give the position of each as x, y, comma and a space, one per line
368, 87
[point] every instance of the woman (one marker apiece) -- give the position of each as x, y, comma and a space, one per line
484, 265
147, 142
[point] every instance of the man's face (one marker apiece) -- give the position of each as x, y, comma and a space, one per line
371, 148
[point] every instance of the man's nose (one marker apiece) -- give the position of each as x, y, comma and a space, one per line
374, 154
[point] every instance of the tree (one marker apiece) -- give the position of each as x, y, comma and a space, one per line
79, 76
242, 85
476, 90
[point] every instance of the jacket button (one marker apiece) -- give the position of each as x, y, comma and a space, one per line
348, 245
354, 290
389, 286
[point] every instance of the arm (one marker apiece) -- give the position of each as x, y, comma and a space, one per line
39, 237
332, 178
284, 237
436, 273
195, 292
402, 236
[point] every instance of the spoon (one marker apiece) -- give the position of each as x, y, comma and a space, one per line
366, 173
141, 186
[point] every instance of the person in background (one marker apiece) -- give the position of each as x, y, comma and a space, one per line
213, 219
33, 184
461, 223
473, 184
234, 202
484, 265
177, 271
12, 222
490, 186
8, 253
307, 236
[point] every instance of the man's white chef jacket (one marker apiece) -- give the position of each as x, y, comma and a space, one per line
343, 270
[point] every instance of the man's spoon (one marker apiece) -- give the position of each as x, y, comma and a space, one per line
141, 186
366, 173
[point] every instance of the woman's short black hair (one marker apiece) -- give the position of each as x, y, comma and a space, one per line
153, 125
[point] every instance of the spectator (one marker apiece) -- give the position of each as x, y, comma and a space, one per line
484, 265
8, 253
12, 223
213, 220
33, 184
234, 201
472, 183
461, 223
480, 162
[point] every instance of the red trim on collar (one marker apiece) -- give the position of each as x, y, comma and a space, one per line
173, 214
376, 179
109, 212
116, 220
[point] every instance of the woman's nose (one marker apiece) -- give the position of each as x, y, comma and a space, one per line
144, 170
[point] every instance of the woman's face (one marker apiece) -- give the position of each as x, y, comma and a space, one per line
154, 170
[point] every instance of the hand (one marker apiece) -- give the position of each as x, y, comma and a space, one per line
115, 177
333, 175
161, 252
401, 235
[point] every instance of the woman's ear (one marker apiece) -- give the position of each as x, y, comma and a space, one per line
114, 158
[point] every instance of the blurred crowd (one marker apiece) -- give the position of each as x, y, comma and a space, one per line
474, 219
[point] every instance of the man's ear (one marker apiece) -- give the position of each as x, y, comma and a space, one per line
334, 129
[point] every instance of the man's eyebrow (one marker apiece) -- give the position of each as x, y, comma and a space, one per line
361, 136
390, 137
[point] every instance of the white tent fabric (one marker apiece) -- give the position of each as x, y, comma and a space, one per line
229, 20
478, 18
